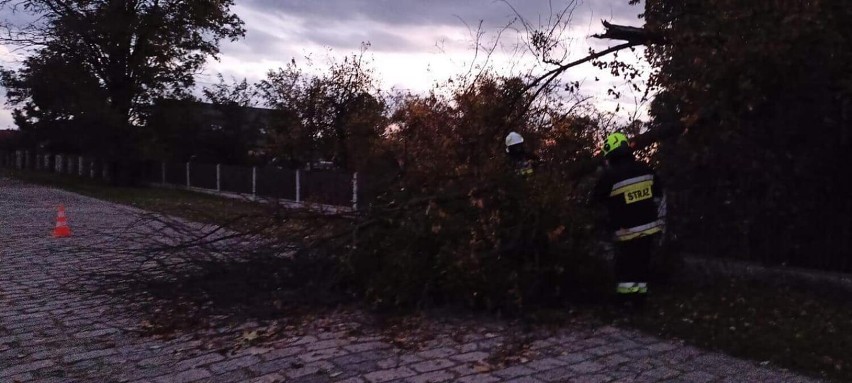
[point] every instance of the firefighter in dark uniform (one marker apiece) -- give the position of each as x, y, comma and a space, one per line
633, 196
522, 162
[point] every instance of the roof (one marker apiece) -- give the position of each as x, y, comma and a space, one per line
9, 134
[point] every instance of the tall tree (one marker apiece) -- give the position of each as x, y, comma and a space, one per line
337, 116
774, 76
133, 51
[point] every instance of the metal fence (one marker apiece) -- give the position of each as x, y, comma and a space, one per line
82, 166
297, 186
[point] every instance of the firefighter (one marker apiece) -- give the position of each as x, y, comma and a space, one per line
523, 162
633, 196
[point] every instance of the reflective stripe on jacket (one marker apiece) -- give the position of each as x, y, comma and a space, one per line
629, 189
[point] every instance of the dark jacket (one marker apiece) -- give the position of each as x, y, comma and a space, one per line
628, 189
523, 163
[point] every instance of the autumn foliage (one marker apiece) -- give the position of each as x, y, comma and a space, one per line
458, 226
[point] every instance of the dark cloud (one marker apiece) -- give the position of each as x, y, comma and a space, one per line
400, 25
439, 12
256, 44
380, 40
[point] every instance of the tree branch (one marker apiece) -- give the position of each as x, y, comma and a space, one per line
639, 36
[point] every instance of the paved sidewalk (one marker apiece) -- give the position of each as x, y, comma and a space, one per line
51, 331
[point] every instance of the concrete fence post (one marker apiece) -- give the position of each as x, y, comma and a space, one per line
187, 175
163, 172
355, 191
218, 177
105, 170
298, 185
57, 165
92, 162
80, 166
254, 181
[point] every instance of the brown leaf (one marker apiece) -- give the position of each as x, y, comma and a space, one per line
250, 336
482, 367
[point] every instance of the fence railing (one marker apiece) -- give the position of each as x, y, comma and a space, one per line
296, 186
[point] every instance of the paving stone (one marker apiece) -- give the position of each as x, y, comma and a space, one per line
269, 378
95, 333
594, 378
283, 352
613, 360
274, 366
586, 367
25, 377
193, 375
327, 353
560, 374
233, 364
309, 369
24, 368
362, 357
368, 346
470, 356
437, 353
481, 378
431, 377
546, 364
698, 377
352, 380
325, 344
514, 372
199, 361
662, 347
575, 357
432, 365
660, 373
388, 375
87, 355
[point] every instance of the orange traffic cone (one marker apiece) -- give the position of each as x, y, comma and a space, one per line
61, 230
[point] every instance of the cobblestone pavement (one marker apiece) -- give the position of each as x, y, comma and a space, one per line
52, 332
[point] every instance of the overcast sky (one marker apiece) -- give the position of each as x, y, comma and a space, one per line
413, 43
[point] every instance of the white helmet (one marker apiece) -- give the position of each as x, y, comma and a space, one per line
513, 139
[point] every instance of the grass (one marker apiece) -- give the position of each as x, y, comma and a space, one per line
795, 328
199, 207
803, 329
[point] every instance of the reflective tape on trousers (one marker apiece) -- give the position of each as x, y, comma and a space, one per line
639, 231
632, 288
